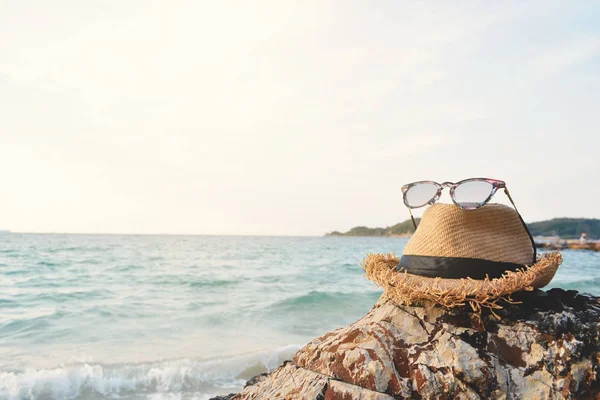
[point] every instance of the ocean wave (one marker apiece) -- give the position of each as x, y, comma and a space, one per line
9, 251
30, 297
188, 280
213, 283
25, 327
73, 249
48, 263
323, 299
317, 311
25, 315
156, 379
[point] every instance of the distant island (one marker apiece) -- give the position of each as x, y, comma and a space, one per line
565, 228
402, 229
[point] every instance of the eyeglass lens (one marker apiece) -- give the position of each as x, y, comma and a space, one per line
472, 194
420, 194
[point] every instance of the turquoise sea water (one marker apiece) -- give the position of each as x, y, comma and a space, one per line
180, 317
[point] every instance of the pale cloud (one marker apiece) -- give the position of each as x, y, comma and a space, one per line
414, 144
281, 118
563, 55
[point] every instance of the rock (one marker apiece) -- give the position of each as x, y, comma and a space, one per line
258, 378
547, 347
292, 382
252, 381
570, 244
551, 245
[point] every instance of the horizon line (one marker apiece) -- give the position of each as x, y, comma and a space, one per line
154, 234
219, 234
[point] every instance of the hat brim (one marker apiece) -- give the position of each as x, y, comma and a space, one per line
408, 289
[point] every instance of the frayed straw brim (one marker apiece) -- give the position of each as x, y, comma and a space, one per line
406, 289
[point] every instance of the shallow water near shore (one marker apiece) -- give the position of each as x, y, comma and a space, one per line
180, 317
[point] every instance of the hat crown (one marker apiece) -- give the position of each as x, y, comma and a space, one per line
494, 232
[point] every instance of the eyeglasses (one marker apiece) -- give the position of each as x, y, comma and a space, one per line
468, 194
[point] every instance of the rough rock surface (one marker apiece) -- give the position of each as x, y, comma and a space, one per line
569, 244
547, 347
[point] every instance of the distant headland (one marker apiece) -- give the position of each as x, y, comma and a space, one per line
401, 229
564, 228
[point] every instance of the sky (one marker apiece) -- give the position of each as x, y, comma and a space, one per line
290, 117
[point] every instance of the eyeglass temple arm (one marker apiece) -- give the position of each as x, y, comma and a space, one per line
524, 224
510, 198
413, 219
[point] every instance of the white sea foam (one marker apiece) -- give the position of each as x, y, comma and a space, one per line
170, 379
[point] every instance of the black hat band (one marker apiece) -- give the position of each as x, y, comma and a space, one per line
455, 267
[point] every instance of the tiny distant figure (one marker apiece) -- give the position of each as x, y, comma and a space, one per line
583, 238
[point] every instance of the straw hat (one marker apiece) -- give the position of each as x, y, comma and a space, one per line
457, 257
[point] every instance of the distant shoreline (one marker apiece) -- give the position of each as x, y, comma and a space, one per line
555, 244
569, 244
557, 229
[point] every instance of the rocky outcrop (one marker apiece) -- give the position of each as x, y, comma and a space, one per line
547, 347
569, 244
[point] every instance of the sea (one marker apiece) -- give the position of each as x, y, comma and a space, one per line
181, 317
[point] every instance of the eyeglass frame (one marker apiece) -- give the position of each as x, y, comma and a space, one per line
496, 184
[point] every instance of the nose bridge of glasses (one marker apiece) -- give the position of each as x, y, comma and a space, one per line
447, 184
